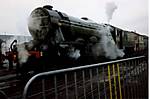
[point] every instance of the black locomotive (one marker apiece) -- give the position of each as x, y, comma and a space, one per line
61, 41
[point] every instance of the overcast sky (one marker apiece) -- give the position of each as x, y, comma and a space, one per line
129, 15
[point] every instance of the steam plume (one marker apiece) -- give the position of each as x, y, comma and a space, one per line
110, 8
106, 46
22, 53
74, 53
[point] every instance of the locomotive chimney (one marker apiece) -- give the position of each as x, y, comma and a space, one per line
49, 7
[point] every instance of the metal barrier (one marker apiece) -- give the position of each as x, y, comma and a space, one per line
120, 79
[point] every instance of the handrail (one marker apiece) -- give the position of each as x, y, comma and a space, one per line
72, 69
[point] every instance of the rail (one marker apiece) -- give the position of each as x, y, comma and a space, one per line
113, 79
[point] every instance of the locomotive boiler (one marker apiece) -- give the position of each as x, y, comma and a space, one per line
47, 23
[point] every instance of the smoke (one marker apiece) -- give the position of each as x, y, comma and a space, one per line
73, 53
106, 46
110, 8
3, 47
22, 53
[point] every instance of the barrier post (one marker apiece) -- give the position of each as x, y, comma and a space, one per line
109, 79
114, 76
120, 92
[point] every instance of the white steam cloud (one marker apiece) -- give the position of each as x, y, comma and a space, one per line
22, 53
73, 53
110, 8
106, 46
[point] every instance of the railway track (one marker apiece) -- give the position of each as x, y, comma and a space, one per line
10, 85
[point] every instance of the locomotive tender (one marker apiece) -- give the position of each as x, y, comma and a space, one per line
60, 40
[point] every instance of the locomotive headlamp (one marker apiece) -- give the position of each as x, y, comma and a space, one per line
39, 23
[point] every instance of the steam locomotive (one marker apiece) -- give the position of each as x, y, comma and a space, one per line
61, 41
